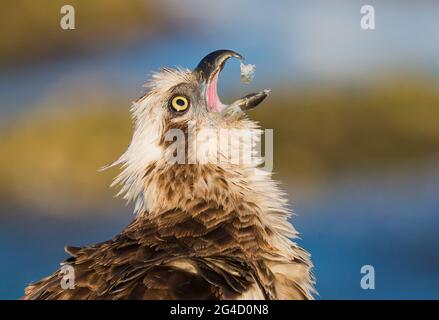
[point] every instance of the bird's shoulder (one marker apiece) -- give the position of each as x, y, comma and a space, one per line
140, 264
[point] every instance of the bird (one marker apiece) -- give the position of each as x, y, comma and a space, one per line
205, 227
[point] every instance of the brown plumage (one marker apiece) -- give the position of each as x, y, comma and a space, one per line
204, 230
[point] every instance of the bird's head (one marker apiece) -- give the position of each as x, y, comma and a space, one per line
178, 105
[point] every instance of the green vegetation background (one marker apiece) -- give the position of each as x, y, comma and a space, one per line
317, 134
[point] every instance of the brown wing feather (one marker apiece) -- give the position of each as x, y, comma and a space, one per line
204, 252
138, 264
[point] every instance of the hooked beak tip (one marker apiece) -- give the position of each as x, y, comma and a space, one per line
207, 72
212, 63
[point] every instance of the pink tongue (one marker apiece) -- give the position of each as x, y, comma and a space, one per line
213, 102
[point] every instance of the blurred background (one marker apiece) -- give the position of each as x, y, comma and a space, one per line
355, 115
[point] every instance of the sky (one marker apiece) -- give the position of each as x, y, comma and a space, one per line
289, 41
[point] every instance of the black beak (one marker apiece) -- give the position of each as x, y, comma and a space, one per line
213, 63
207, 73
251, 100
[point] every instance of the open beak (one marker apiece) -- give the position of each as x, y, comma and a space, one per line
207, 73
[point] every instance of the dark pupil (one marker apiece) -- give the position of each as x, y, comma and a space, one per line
180, 102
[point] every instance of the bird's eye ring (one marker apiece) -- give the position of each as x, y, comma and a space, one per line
179, 103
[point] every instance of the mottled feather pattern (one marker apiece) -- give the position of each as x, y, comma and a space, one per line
202, 230
227, 245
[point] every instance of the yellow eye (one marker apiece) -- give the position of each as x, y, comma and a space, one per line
179, 103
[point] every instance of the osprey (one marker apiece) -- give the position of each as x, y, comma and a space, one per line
206, 227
